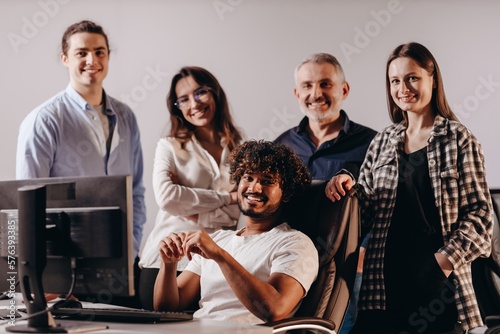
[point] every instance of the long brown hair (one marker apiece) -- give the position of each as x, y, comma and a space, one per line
424, 58
223, 122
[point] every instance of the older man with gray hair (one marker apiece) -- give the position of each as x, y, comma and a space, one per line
326, 140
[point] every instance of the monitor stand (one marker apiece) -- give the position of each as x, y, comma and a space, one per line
32, 258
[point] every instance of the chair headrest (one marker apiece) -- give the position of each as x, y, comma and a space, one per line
321, 219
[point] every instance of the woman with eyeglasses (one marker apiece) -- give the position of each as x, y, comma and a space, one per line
190, 173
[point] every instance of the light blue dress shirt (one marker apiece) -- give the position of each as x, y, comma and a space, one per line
64, 137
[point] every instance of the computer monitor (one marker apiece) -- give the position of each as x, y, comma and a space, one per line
88, 224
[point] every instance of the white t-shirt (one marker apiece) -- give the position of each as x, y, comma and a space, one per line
280, 250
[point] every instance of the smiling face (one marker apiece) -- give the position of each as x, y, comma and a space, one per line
411, 85
198, 111
259, 196
87, 60
320, 90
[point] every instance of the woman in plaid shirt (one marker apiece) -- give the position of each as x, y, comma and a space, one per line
425, 200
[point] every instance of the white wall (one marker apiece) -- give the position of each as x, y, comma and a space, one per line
252, 46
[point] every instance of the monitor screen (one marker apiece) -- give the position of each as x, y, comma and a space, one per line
89, 220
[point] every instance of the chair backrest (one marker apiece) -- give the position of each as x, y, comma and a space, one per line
486, 271
334, 227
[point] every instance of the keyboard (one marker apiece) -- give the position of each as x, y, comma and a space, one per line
130, 315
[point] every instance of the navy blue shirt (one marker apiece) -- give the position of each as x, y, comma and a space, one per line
346, 151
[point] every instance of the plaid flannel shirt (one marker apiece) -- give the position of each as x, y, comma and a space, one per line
456, 169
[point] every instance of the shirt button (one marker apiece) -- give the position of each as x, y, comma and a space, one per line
432, 162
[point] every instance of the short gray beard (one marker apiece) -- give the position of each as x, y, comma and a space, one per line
315, 117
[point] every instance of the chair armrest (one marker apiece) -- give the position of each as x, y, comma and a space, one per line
492, 320
313, 323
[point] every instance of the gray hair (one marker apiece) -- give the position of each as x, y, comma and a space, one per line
321, 58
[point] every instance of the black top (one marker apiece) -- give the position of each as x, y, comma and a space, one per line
415, 232
416, 217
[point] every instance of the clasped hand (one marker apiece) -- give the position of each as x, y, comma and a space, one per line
177, 245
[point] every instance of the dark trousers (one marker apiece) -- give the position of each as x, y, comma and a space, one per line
425, 306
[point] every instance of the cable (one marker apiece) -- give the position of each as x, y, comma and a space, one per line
61, 302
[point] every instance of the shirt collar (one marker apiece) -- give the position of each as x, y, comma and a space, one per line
108, 103
82, 103
439, 128
76, 97
302, 128
303, 125
347, 122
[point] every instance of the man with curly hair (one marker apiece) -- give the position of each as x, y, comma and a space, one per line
259, 273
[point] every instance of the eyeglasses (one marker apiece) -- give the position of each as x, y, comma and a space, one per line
202, 95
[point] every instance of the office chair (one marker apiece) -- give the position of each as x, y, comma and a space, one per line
334, 227
486, 275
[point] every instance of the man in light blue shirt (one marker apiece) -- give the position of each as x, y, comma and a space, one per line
82, 131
